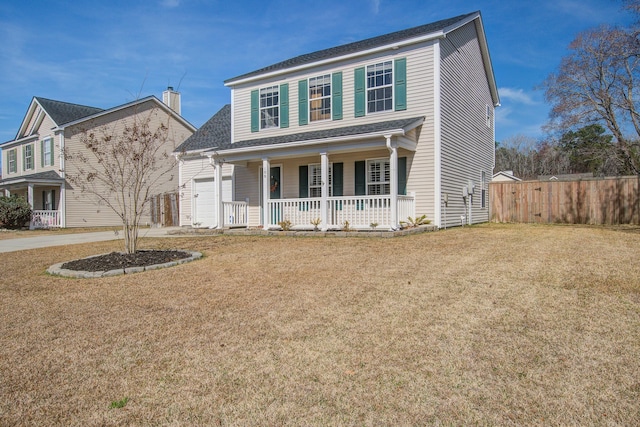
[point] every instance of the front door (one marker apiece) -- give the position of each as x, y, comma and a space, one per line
275, 187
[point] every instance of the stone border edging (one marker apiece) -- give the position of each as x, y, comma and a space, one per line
57, 270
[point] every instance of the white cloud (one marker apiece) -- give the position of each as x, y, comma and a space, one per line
516, 96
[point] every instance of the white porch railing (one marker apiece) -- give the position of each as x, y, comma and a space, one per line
44, 219
235, 214
358, 211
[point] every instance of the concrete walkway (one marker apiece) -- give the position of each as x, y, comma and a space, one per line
20, 244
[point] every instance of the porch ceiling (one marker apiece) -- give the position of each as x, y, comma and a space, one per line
335, 140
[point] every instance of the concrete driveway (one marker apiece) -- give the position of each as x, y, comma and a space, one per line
12, 245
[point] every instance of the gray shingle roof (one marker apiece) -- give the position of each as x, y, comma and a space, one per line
214, 133
65, 112
327, 133
357, 46
48, 175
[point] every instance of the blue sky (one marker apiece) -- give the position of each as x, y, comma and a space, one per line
104, 54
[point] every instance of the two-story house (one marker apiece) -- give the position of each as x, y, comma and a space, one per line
365, 134
34, 162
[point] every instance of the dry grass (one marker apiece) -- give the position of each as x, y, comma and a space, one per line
483, 325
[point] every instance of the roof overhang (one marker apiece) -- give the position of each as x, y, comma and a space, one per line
332, 145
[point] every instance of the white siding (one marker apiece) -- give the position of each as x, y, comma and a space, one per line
467, 141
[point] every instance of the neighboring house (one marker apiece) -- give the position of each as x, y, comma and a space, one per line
34, 162
367, 133
504, 176
567, 177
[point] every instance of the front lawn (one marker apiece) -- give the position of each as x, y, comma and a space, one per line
493, 324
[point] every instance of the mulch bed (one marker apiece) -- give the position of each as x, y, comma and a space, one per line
121, 260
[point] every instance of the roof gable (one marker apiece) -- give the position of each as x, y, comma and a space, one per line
359, 46
65, 112
216, 132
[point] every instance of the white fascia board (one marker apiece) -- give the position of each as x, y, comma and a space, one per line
27, 117
390, 46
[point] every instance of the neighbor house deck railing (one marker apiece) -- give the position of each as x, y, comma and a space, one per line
235, 214
358, 211
45, 219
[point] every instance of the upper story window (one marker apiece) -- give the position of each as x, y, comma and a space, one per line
378, 177
320, 98
270, 107
12, 161
28, 157
47, 152
380, 87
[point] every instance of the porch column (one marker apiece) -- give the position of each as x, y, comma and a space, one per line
393, 171
30, 196
265, 192
217, 166
324, 189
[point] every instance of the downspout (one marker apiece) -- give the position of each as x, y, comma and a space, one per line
63, 186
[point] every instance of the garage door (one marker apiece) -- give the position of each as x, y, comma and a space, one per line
204, 203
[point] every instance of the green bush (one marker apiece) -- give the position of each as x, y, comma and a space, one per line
15, 211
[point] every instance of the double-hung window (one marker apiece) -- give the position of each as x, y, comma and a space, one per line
47, 152
28, 157
320, 98
12, 161
315, 180
378, 177
270, 107
380, 87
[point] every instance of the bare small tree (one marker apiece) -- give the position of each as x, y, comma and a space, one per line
597, 82
122, 165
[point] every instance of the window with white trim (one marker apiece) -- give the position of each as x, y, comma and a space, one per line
380, 87
315, 180
270, 107
12, 161
28, 157
47, 147
378, 177
320, 98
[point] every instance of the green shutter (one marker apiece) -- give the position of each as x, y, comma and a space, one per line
400, 89
303, 181
303, 102
24, 157
360, 92
53, 200
42, 152
284, 105
52, 156
338, 179
402, 176
336, 95
360, 178
255, 111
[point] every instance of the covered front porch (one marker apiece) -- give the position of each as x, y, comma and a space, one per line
353, 181
44, 192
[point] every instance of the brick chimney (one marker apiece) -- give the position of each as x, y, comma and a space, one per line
172, 98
